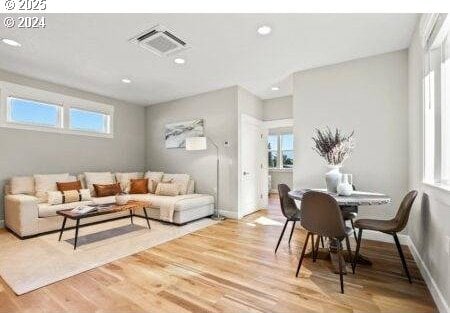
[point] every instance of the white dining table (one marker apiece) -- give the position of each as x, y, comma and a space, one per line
356, 199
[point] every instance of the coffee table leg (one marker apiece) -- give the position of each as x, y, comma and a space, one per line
62, 228
146, 218
131, 216
76, 234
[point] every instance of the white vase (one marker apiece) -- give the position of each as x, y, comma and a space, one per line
345, 188
332, 178
122, 199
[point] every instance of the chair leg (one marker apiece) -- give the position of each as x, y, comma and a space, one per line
303, 254
321, 240
402, 257
292, 231
349, 251
341, 276
316, 249
354, 230
281, 236
358, 245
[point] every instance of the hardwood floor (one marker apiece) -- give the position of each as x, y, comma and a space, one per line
231, 267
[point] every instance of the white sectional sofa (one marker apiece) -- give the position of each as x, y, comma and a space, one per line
27, 215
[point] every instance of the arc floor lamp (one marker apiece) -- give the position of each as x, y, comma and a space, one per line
200, 143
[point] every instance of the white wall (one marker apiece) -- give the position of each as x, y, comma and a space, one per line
25, 152
429, 224
277, 108
368, 96
219, 109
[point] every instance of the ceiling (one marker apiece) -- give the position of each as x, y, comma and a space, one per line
91, 52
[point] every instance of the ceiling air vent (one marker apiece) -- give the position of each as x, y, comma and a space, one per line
160, 41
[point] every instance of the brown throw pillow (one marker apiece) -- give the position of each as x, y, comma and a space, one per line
66, 186
107, 190
139, 186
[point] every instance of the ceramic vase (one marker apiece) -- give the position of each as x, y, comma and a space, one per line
333, 178
345, 188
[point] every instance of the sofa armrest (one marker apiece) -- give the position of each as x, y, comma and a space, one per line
21, 213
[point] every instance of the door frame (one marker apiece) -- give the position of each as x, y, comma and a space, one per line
262, 178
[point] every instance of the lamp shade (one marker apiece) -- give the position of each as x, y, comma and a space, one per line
195, 143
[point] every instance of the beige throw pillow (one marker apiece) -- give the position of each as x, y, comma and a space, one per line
124, 179
167, 189
46, 183
181, 180
100, 178
153, 179
22, 185
59, 197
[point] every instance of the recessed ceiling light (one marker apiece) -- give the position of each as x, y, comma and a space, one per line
275, 88
264, 30
179, 61
126, 80
11, 42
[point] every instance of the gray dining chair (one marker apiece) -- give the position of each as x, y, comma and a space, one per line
391, 227
289, 210
321, 215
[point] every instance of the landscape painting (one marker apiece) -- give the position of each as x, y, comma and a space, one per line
176, 133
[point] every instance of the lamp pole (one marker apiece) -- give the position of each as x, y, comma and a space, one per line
216, 215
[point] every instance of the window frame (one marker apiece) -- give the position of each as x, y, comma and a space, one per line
435, 104
64, 102
280, 165
11, 121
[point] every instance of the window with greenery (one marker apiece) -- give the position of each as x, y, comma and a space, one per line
436, 86
281, 151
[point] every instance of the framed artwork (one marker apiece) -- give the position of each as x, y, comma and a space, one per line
176, 133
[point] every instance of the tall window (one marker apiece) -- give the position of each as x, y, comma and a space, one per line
436, 91
281, 151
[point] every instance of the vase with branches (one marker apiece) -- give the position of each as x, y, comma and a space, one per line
334, 147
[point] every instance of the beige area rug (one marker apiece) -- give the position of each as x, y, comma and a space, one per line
29, 264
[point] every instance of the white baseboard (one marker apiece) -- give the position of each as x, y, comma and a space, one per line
438, 298
229, 214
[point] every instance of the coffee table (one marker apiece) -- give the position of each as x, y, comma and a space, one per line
102, 209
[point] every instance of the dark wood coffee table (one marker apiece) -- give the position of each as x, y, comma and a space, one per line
102, 209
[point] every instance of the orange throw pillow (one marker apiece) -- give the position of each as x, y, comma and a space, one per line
139, 186
107, 190
68, 186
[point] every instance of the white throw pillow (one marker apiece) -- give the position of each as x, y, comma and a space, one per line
181, 180
153, 179
103, 178
167, 189
124, 179
22, 185
58, 197
46, 183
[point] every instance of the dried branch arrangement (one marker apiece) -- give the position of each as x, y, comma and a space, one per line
334, 147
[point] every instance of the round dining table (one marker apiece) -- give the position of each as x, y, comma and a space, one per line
356, 199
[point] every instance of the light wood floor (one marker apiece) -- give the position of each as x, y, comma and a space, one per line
231, 267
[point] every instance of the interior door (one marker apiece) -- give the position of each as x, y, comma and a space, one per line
252, 154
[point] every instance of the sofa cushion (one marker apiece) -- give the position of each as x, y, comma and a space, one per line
22, 185
107, 190
66, 186
45, 183
182, 204
153, 179
102, 178
167, 189
124, 179
181, 180
139, 186
58, 197
191, 187
47, 210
